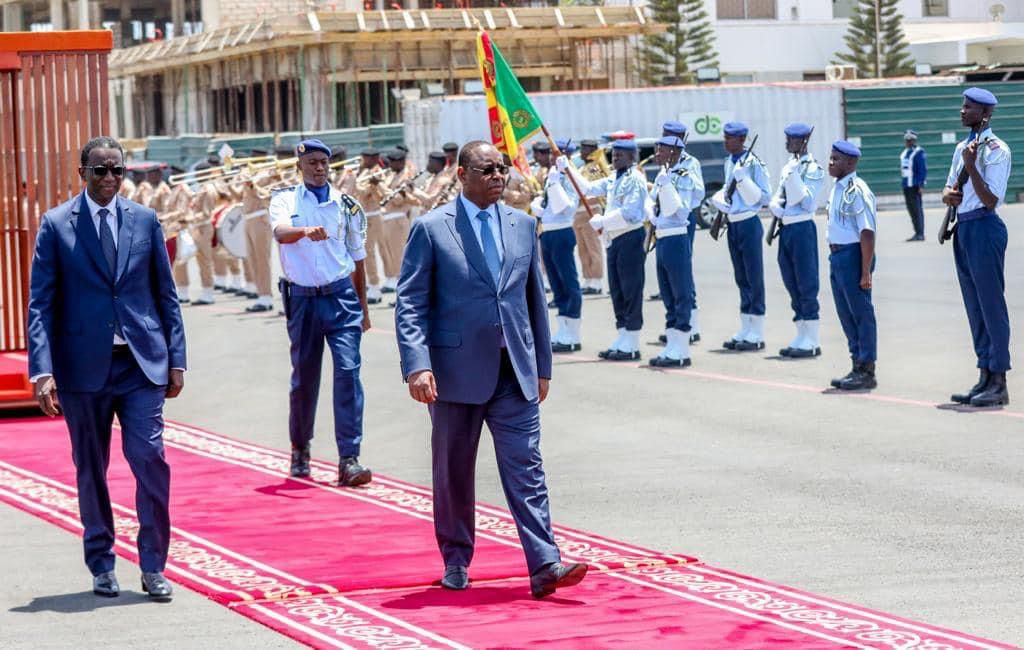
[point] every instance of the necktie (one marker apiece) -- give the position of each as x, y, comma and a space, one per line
489, 245
107, 241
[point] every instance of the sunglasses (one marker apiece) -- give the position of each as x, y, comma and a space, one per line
101, 170
491, 170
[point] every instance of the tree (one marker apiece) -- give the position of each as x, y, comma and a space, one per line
688, 44
876, 42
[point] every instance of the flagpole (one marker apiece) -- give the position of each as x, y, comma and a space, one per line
572, 179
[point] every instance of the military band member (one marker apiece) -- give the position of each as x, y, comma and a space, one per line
692, 165
851, 240
202, 206
451, 155
622, 227
395, 216
979, 245
592, 166
322, 235
913, 176
676, 191
795, 202
181, 216
745, 233
519, 191
255, 201
226, 266
368, 192
344, 179
438, 185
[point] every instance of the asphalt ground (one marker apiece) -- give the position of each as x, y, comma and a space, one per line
890, 499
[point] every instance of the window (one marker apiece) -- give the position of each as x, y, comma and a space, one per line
931, 8
745, 9
843, 8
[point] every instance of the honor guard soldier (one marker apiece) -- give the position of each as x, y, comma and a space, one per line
622, 228
794, 204
556, 211
747, 177
593, 166
913, 176
368, 192
975, 187
851, 240
322, 234
676, 191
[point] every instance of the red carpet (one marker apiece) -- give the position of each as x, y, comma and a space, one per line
15, 390
358, 568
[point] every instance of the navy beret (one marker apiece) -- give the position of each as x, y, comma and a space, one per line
980, 96
735, 128
565, 145
673, 127
624, 145
672, 141
311, 145
798, 130
846, 148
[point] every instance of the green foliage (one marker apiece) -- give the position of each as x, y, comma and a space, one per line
687, 45
862, 37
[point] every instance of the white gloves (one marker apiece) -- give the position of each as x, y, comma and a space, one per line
775, 205
558, 200
741, 172
554, 178
535, 208
669, 198
719, 200
749, 191
662, 179
562, 163
613, 220
795, 188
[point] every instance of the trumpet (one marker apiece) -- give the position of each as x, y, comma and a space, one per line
599, 159
343, 163
229, 168
401, 188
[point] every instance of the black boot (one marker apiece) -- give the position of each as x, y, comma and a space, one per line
839, 380
863, 378
351, 473
965, 398
995, 393
300, 460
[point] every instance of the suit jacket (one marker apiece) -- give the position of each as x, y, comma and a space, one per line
450, 315
74, 298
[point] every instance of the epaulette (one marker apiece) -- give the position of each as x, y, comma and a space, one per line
351, 204
283, 189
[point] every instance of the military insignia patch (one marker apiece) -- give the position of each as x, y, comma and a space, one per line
301, 148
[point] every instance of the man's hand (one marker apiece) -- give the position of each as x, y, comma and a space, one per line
366, 319
952, 197
562, 163
542, 388
175, 382
422, 387
970, 155
920, 189
316, 233
865, 281
46, 395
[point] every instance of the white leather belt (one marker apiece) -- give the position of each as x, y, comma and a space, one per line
254, 214
662, 233
619, 233
796, 218
373, 213
390, 216
741, 216
548, 227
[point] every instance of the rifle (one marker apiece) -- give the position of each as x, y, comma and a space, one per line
776, 226
720, 218
949, 221
651, 237
401, 188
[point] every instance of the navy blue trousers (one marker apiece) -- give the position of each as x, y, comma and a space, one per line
691, 230
626, 279
514, 423
915, 207
138, 404
559, 250
337, 320
675, 280
979, 248
856, 313
748, 263
798, 263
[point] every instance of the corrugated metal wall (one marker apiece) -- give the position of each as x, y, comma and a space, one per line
879, 117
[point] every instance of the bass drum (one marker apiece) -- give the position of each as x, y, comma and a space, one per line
172, 248
229, 226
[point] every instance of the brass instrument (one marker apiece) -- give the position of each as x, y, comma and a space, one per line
442, 198
401, 188
230, 167
599, 159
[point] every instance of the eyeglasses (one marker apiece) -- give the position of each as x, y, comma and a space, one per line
101, 170
491, 170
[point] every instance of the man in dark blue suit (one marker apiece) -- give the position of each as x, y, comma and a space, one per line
105, 332
475, 346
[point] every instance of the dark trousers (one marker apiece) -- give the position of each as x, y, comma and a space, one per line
691, 231
748, 263
798, 263
337, 320
558, 249
856, 313
675, 280
626, 279
514, 423
912, 197
979, 248
138, 404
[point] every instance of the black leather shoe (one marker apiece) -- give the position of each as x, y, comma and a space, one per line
250, 295
619, 355
802, 353
662, 339
551, 304
200, 301
839, 380
105, 584
591, 291
351, 473
374, 301
664, 362
183, 301
386, 290
694, 338
556, 576
566, 347
976, 389
730, 344
916, 238
603, 354
995, 393
253, 309
156, 585
747, 346
455, 578
862, 379
220, 287
300, 460
654, 296
784, 352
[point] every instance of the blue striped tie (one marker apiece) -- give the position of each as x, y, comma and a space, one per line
489, 245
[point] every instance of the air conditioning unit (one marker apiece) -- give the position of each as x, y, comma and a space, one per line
840, 72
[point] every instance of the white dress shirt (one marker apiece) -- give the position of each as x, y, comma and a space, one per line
94, 212
472, 210
994, 165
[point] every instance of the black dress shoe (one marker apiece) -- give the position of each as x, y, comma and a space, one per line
665, 362
730, 344
556, 576
455, 578
747, 346
351, 473
976, 389
663, 339
552, 305
254, 309
300, 460
995, 394
220, 287
916, 238
619, 355
695, 338
839, 380
603, 354
862, 379
801, 353
591, 291
250, 295
156, 585
201, 301
654, 296
566, 347
374, 301
105, 584
183, 301
386, 290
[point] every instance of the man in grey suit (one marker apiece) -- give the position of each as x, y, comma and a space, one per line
473, 334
